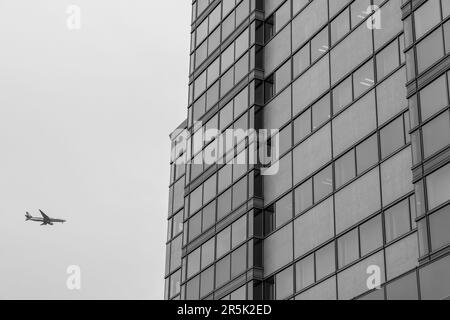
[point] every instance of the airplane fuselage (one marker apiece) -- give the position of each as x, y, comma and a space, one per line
45, 220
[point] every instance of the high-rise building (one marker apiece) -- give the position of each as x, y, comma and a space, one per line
359, 206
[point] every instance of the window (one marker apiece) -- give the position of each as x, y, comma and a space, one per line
278, 249
312, 153
302, 126
392, 137
348, 248
323, 184
175, 281
193, 263
207, 282
239, 261
298, 5
392, 25
311, 84
209, 216
325, 261
223, 271
434, 280
345, 168
284, 284
304, 273
323, 291
214, 18
363, 79
342, 95
402, 256
283, 210
396, 177
447, 36
433, 98
208, 253
358, 200
430, 50
195, 226
226, 116
308, 21
391, 96
356, 47
175, 253
223, 242
283, 76
321, 112
277, 50
319, 44
313, 228
276, 185
367, 154
357, 8
178, 223
438, 185
301, 60
196, 200
225, 177
404, 288
426, 17
388, 60
242, 43
209, 189
439, 225
193, 289
240, 193
303, 197
397, 221
239, 231
436, 135
354, 123
371, 235
340, 26
353, 281
213, 41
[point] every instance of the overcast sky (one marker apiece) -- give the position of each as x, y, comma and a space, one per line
84, 122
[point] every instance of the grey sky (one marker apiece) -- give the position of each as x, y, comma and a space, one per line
84, 123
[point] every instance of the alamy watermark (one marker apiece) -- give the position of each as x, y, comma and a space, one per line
73, 21
73, 281
263, 146
374, 279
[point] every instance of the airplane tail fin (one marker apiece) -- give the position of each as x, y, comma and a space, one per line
28, 216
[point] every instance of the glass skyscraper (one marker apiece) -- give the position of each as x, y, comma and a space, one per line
359, 94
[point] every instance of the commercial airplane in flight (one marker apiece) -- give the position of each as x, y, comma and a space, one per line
45, 219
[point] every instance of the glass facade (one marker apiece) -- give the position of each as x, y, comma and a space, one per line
359, 93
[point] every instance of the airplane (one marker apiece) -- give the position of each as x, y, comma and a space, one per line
46, 220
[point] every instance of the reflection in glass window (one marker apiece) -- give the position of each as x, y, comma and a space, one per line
397, 221
345, 168
304, 272
438, 185
439, 228
303, 197
284, 284
348, 248
392, 137
430, 50
436, 135
367, 154
371, 235
323, 184
433, 98
325, 261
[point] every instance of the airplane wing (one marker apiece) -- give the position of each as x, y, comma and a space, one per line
46, 217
